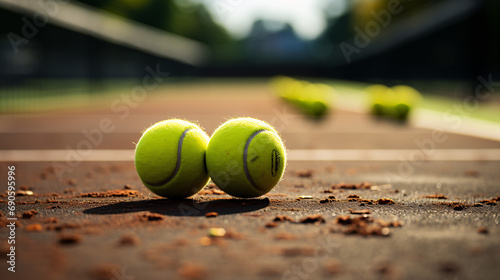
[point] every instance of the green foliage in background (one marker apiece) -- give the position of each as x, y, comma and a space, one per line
190, 20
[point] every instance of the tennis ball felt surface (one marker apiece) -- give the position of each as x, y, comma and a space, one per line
170, 158
246, 157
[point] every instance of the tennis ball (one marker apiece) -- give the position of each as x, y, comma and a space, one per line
246, 157
377, 99
406, 98
170, 158
401, 111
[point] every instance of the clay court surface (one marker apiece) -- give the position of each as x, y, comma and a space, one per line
361, 198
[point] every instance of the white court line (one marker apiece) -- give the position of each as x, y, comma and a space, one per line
293, 155
456, 124
395, 155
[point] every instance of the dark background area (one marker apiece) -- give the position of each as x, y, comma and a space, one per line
415, 45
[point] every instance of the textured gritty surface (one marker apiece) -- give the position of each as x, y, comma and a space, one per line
100, 222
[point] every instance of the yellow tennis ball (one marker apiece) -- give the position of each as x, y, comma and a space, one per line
246, 157
170, 158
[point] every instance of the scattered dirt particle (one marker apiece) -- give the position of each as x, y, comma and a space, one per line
326, 200
387, 270
352, 186
283, 218
297, 251
312, 219
285, 236
51, 220
396, 224
363, 225
483, 230
211, 214
53, 207
330, 169
29, 214
477, 205
343, 220
333, 267
384, 201
50, 169
211, 192
271, 224
459, 207
33, 227
70, 238
151, 217
205, 241
326, 191
63, 226
360, 212
44, 175
113, 193
129, 240
127, 187
192, 271
72, 182
353, 196
105, 271
437, 196
471, 173
491, 201
456, 205
449, 267
51, 200
307, 173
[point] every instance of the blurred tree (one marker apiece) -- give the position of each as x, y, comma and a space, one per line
190, 20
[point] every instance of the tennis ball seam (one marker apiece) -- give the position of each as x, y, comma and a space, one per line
245, 157
177, 164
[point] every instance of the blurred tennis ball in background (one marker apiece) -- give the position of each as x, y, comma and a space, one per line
377, 99
311, 99
396, 102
